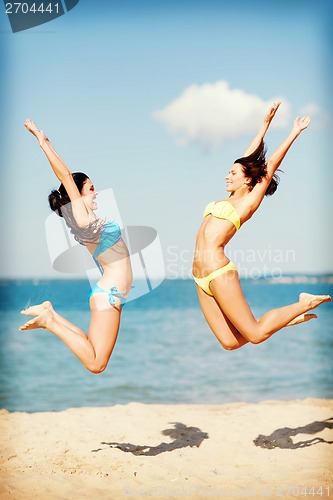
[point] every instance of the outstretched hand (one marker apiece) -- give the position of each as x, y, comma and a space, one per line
39, 134
301, 123
271, 113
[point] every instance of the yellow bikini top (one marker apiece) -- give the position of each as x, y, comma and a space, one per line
223, 210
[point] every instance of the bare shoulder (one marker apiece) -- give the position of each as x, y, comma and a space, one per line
257, 194
248, 205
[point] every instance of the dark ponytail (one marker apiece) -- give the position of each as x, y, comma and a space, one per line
55, 201
272, 187
60, 203
254, 166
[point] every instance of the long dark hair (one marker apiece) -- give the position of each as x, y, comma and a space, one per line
254, 166
60, 203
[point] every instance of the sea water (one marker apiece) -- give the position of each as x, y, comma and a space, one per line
165, 352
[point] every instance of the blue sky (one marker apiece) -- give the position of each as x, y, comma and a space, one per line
94, 80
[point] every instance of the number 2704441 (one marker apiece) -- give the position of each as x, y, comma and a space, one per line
35, 8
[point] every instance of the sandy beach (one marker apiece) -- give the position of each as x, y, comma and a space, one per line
270, 449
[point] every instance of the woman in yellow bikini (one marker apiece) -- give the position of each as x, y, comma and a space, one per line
220, 295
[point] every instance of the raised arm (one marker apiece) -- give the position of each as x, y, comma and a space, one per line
63, 174
257, 194
277, 157
263, 129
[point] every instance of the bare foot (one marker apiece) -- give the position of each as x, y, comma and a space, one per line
38, 309
302, 318
314, 300
40, 321
44, 315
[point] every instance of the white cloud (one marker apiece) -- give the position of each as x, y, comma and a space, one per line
210, 113
319, 118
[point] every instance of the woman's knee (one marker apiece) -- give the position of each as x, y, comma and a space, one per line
228, 343
254, 337
253, 333
97, 367
230, 346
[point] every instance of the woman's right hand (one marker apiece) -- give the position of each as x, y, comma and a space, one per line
271, 113
39, 134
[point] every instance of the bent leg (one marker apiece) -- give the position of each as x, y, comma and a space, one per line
225, 332
229, 295
94, 350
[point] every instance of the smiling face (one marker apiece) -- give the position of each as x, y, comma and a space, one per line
89, 194
236, 178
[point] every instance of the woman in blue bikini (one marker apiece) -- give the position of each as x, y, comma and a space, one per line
220, 295
75, 201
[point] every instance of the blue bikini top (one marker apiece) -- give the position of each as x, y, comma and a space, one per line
110, 235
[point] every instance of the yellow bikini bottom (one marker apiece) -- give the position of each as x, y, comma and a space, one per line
204, 282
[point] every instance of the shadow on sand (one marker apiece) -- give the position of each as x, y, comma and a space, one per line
281, 438
182, 436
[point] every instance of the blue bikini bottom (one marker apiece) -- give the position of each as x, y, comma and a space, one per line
112, 293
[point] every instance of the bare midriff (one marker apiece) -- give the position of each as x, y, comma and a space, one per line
212, 237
